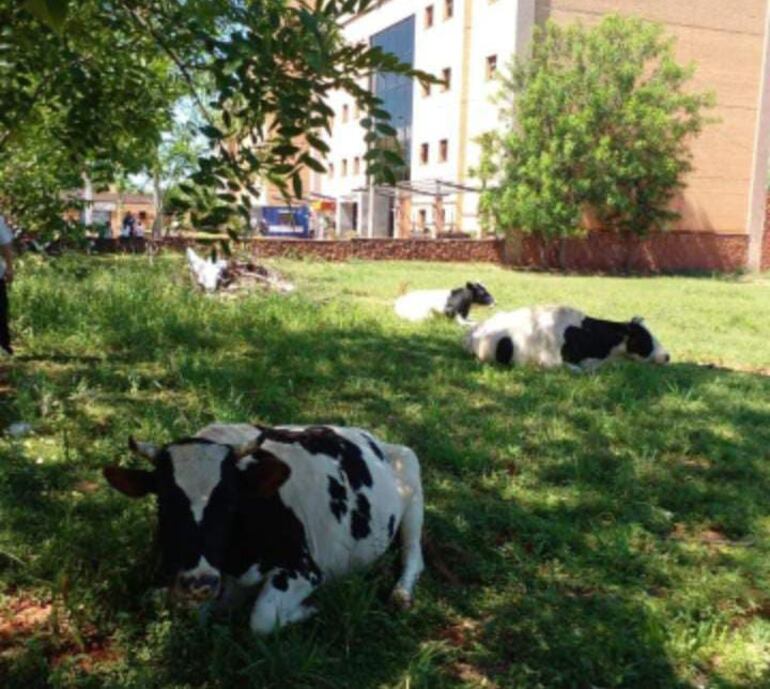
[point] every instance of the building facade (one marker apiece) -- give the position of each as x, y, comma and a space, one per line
465, 41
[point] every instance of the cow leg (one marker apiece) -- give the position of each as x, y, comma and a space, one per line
411, 552
281, 601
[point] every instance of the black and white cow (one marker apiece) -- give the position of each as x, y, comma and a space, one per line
456, 303
550, 336
286, 507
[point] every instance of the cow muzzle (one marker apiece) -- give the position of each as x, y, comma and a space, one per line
199, 588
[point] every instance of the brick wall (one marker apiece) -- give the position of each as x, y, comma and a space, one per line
597, 252
469, 250
606, 252
601, 252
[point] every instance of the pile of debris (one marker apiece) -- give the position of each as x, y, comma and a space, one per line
232, 277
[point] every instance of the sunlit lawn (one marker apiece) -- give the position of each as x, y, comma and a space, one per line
582, 531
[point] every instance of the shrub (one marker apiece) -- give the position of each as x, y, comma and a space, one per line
595, 122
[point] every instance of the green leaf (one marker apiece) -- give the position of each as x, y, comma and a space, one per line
51, 12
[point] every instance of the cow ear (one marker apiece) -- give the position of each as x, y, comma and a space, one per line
135, 483
470, 285
265, 476
637, 320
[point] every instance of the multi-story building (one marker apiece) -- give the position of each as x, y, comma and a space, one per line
460, 42
465, 41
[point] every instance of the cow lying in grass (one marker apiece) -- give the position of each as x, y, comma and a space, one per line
286, 507
421, 304
550, 336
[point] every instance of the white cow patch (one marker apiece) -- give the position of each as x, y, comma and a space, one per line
421, 304
196, 478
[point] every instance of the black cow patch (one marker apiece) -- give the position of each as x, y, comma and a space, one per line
458, 302
639, 340
504, 351
281, 580
268, 533
338, 495
323, 440
593, 339
391, 526
360, 520
374, 447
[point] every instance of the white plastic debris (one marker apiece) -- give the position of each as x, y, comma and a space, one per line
208, 273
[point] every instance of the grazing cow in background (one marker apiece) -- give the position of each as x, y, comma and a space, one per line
421, 304
549, 336
286, 507
208, 273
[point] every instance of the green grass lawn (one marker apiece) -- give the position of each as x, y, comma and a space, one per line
608, 530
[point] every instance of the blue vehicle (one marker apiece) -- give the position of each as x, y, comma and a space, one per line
285, 221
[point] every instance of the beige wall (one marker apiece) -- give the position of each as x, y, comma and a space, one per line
726, 40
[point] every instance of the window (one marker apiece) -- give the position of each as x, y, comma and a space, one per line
356, 165
344, 167
446, 76
443, 150
424, 153
423, 218
491, 66
449, 9
428, 16
331, 169
345, 113
425, 90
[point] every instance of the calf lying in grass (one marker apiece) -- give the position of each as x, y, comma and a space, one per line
550, 336
421, 304
285, 507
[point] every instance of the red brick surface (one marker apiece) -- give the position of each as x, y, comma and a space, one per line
602, 252
483, 251
597, 252
607, 252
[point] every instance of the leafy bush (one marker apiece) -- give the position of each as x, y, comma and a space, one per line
597, 122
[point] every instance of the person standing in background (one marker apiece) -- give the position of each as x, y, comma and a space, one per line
6, 278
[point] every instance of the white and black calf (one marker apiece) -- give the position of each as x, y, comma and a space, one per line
286, 507
456, 303
550, 336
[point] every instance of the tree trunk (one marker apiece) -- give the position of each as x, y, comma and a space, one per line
157, 192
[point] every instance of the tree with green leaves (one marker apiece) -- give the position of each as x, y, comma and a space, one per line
99, 79
596, 122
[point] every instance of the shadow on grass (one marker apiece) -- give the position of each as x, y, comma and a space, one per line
552, 502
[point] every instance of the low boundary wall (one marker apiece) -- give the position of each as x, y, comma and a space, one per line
597, 252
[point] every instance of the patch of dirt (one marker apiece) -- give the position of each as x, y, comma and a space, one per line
24, 618
710, 536
471, 675
461, 633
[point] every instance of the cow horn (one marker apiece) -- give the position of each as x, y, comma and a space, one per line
248, 448
147, 450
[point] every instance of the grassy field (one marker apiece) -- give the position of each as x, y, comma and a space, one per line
600, 531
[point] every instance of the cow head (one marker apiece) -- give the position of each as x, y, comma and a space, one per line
642, 346
479, 294
199, 485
